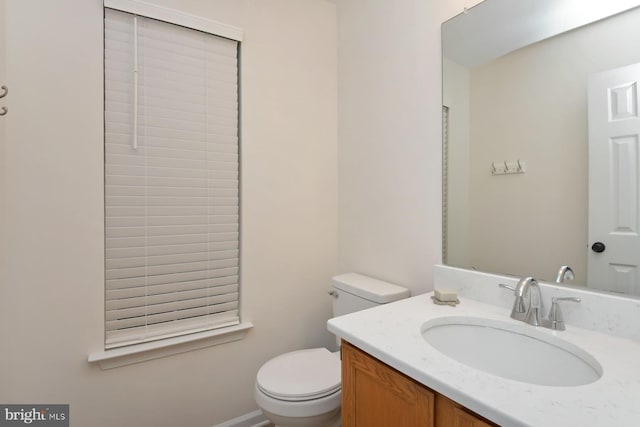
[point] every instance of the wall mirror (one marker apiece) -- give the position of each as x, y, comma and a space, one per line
541, 164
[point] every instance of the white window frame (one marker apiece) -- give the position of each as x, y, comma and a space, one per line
121, 356
177, 17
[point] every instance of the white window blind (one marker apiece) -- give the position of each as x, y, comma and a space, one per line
171, 180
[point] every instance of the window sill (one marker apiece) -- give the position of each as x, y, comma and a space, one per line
117, 357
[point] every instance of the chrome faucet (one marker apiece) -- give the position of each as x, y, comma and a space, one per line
530, 285
531, 313
565, 273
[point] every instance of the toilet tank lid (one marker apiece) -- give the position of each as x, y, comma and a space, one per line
369, 288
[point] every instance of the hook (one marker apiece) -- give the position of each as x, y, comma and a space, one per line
4, 93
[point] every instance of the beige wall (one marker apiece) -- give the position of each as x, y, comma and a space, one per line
51, 289
390, 137
532, 105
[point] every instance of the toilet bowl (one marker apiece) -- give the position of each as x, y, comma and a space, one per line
303, 388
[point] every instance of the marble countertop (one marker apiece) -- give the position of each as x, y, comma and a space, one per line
392, 334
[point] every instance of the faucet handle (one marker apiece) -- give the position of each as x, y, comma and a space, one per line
555, 320
572, 299
511, 288
519, 310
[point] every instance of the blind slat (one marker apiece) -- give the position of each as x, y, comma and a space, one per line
169, 250
222, 285
168, 221
127, 336
162, 269
163, 279
129, 262
164, 297
164, 317
179, 305
168, 229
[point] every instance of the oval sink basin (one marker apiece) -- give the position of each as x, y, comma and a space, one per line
516, 352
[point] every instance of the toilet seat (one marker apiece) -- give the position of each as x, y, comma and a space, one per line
300, 375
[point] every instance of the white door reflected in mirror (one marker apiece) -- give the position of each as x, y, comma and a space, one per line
614, 193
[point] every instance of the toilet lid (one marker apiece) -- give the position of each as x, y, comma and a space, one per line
300, 375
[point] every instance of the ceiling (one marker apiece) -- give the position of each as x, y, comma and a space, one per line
468, 40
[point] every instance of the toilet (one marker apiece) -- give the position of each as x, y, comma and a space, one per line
303, 388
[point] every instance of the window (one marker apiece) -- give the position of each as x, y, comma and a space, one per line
171, 180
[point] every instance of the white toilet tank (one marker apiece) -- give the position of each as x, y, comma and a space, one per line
354, 292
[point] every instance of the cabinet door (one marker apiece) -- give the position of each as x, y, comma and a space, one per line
450, 414
375, 395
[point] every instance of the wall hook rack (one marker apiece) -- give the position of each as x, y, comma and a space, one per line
507, 167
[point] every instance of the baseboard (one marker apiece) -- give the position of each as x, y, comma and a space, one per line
252, 419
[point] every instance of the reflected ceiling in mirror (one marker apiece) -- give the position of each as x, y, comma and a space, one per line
516, 152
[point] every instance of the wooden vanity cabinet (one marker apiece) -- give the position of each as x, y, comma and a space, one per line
451, 414
376, 395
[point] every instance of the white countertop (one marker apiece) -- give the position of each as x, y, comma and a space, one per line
392, 334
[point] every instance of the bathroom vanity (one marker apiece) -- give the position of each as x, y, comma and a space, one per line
392, 370
375, 394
